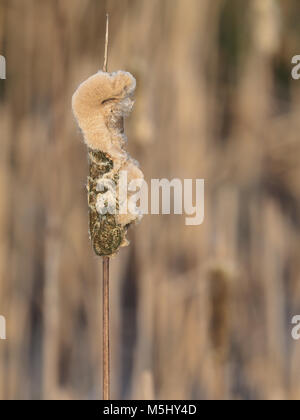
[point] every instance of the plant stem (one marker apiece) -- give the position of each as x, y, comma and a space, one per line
106, 367
105, 327
106, 46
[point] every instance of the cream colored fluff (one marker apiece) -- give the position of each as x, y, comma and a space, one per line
100, 104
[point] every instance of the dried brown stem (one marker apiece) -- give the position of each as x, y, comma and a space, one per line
106, 368
105, 329
106, 45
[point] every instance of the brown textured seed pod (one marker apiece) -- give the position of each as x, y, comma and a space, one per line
100, 105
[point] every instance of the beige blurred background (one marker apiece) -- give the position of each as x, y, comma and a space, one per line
196, 312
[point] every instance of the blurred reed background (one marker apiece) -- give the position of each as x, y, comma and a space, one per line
197, 312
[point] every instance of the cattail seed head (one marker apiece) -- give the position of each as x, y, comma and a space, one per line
100, 105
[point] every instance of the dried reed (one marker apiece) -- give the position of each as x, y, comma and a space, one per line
105, 297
